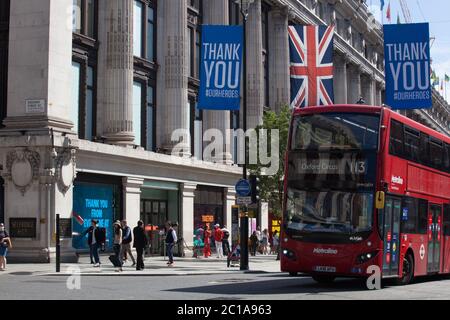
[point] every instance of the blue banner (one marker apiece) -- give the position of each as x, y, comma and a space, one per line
407, 65
92, 201
220, 67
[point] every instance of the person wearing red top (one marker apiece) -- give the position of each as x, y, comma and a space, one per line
207, 241
218, 236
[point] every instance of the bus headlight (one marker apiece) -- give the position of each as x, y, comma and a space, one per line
362, 258
289, 254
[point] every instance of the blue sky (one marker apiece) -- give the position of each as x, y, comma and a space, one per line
436, 12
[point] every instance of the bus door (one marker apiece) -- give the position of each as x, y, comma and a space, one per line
391, 235
434, 237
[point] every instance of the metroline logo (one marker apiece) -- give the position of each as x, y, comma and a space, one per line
325, 251
398, 179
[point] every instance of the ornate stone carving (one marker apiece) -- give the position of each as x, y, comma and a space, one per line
22, 167
65, 170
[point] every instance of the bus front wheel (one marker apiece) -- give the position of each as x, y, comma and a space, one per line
323, 279
408, 270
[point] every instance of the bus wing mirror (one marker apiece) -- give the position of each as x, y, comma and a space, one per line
379, 199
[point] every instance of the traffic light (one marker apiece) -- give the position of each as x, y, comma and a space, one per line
254, 183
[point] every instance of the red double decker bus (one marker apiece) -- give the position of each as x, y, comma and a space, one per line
365, 186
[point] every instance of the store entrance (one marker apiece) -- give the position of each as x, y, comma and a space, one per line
154, 215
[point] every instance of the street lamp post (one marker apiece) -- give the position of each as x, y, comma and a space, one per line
244, 6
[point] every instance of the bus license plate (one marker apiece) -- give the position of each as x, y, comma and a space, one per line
324, 269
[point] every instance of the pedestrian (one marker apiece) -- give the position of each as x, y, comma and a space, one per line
265, 241
127, 238
117, 242
171, 240
207, 241
96, 238
140, 242
225, 241
198, 246
276, 243
254, 242
258, 235
5, 244
218, 236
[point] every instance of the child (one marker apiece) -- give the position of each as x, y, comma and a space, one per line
235, 255
198, 246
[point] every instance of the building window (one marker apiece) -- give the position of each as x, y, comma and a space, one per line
4, 44
137, 28
83, 99
150, 119
144, 29
137, 110
84, 77
151, 26
195, 21
76, 84
265, 40
196, 129
84, 17
90, 91
234, 12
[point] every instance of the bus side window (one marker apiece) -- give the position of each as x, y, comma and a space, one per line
423, 216
412, 144
447, 220
396, 139
447, 158
424, 149
436, 153
409, 216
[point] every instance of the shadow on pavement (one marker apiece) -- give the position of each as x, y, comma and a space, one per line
281, 285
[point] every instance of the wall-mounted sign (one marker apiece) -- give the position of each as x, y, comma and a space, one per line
35, 106
65, 227
207, 218
22, 227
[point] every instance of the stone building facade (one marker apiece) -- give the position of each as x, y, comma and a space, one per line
92, 90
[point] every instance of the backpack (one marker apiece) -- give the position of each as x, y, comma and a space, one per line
102, 233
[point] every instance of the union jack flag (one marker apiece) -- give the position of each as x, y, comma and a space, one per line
311, 65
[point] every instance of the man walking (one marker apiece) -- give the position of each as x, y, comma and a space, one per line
171, 240
96, 238
218, 237
140, 242
126, 242
225, 241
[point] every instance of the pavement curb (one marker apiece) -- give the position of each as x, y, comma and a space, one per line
134, 274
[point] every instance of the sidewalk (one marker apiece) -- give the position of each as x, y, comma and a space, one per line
154, 266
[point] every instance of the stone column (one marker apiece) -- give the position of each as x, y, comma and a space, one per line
353, 84
187, 213
255, 69
115, 69
39, 65
367, 88
215, 12
340, 79
132, 199
279, 83
230, 200
174, 77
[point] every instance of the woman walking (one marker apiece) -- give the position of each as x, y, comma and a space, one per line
117, 244
207, 241
265, 241
5, 243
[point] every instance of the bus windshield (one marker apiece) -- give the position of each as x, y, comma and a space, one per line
329, 211
329, 131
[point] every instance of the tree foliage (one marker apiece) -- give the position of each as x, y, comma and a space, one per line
271, 186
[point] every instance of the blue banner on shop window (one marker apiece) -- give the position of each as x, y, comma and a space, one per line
220, 67
407, 65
